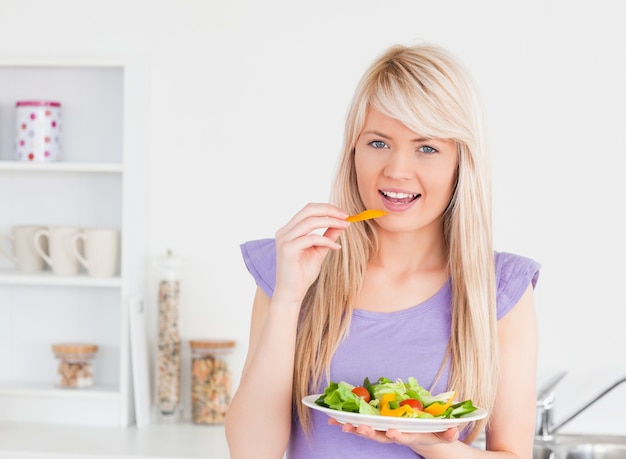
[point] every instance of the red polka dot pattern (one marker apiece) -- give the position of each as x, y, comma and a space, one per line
38, 131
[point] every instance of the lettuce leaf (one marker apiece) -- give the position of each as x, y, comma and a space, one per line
339, 396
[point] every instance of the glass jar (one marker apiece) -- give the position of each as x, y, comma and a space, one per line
211, 382
168, 351
76, 364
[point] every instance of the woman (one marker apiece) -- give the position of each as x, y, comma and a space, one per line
417, 292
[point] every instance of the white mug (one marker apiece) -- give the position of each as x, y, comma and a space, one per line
101, 250
24, 254
59, 255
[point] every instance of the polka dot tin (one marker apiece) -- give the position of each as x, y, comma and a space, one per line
38, 130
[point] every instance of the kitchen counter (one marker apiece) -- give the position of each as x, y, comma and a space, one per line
45, 441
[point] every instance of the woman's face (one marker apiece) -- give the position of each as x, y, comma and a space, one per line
402, 172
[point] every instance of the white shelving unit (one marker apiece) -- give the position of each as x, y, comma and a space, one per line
99, 180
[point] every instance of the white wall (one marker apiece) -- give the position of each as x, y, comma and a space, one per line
248, 100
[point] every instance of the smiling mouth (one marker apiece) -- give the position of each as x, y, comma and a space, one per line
399, 197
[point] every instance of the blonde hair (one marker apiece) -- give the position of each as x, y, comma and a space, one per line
425, 88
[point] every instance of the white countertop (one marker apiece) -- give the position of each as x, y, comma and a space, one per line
45, 441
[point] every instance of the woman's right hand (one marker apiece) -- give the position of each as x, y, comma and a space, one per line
300, 251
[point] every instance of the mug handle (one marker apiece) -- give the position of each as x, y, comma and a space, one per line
38, 248
74, 245
3, 251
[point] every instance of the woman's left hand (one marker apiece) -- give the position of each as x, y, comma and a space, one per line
415, 441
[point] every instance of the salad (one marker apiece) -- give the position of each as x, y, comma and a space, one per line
393, 398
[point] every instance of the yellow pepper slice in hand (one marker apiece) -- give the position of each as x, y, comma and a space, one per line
366, 215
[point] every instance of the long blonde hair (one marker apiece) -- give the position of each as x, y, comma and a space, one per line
425, 88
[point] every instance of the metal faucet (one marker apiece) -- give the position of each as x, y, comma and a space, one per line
545, 407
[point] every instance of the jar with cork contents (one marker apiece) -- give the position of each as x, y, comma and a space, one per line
211, 382
76, 364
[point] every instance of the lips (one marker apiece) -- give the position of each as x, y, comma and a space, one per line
399, 197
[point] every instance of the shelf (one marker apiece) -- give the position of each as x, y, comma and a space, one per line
44, 63
26, 166
42, 402
32, 389
175, 441
47, 278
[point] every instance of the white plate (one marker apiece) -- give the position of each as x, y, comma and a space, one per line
389, 422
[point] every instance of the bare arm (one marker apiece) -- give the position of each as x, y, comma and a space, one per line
266, 384
513, 419
258, 423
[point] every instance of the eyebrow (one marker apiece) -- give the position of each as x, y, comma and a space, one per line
384, 136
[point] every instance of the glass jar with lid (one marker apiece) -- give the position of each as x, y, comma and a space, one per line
76, 364
168, 336
211, 382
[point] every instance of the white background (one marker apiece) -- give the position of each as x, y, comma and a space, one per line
247, 106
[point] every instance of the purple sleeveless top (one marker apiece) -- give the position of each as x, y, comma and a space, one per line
410, 342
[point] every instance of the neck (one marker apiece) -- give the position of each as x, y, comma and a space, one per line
414, 251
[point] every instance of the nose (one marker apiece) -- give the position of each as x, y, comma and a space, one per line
400, 165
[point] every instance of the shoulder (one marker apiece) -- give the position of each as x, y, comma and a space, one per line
513, 275
260, 258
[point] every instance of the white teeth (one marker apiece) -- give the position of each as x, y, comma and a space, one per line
394, 195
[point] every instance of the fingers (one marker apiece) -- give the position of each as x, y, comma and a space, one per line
306, 241
301, 249
299, 238
409, 439
401, 438
313, 217
362, 431
449, 435
333, 233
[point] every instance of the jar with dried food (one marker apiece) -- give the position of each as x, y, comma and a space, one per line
168, 351
76, 364
211, 382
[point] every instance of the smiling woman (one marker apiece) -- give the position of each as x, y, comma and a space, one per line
418, 292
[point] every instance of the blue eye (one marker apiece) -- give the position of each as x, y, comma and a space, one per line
427, 149
378, 144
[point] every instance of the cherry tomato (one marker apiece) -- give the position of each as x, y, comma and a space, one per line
362, 392
415, 404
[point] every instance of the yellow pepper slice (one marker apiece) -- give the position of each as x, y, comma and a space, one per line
395, 412
366, 215
437, 409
